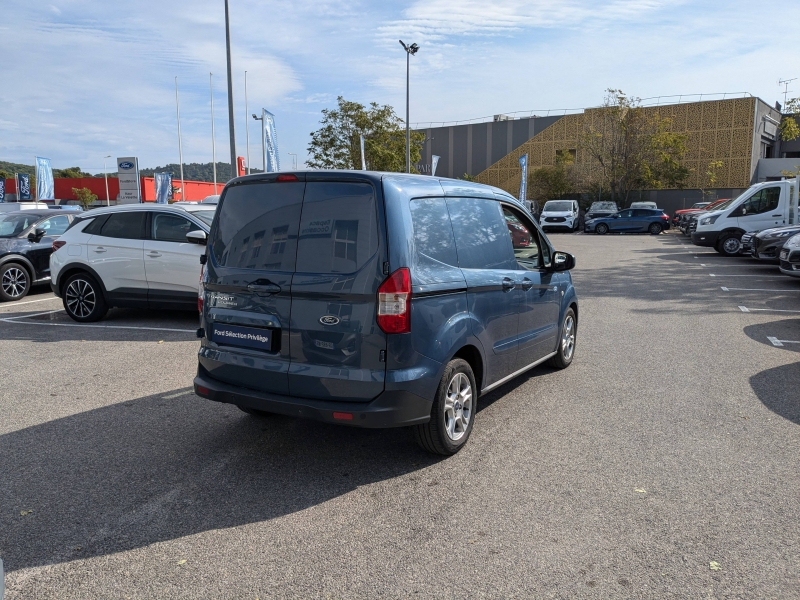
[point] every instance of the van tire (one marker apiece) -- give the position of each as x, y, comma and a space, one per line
433, 436
730, 244
567, 337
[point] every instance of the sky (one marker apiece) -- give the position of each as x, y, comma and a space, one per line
85, 79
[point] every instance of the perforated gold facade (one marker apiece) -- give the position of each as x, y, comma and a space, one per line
716, 130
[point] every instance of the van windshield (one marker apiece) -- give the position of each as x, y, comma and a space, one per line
558, 206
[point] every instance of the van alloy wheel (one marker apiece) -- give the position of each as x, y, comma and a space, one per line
458, 407
568, 337
14, 282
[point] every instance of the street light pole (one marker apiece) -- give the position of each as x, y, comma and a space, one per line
180, 146
410, 50
105, 174
246, 123
213, 137
234, 172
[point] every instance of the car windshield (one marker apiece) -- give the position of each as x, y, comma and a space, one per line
603, 207
558, 206
701, 204
725, 204
206, 216
13, 225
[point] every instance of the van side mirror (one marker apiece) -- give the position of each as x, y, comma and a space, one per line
198, 236
36, 235
563, 261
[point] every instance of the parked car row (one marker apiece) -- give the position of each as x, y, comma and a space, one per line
138, 254
763, 222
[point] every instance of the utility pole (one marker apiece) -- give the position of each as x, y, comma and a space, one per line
213, 137
230, 93
180, 146
412, 49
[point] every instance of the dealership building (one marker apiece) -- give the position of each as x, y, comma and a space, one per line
741, 132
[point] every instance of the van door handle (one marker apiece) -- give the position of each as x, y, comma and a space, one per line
269, 288
527, 284
508, 284
154, 254
100, 249
777, 215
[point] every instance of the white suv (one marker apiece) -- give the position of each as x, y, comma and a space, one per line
139, 256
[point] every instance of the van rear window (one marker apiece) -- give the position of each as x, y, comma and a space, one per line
257, 226
338, 227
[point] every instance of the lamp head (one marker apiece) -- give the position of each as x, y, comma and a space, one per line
413, 49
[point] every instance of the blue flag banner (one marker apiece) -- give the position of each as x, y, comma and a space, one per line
273, 157
2, 190
23, 187
163, 187
523, 185
45, 187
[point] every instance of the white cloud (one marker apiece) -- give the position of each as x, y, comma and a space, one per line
54, 9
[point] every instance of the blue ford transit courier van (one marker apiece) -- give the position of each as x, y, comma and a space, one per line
377, 300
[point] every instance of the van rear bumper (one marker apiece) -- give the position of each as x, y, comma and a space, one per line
392, 408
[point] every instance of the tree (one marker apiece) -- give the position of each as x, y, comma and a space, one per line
553, 182
468, 177
632, 149
70, 173
84, 196
789, 128
4, 174
709, 179
337, 143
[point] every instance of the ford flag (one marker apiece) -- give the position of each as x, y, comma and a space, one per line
163, 187
23, 187
273, 158
45, 189
2, 190
523, 186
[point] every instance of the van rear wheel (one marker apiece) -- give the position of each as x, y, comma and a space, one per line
452, 413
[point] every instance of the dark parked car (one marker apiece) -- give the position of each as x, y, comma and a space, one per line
377, 300
631, 220
26, 242
601, 209
766, 245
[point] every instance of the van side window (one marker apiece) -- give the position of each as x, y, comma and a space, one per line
481, 234
434, 256
254, 217
762, 201
338, 227
530, 251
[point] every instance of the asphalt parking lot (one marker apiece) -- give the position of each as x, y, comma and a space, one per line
664, 463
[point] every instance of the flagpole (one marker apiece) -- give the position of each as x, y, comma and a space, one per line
180, 146
213, 139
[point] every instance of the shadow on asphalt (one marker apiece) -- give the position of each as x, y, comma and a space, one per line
777, 389
153, 469
785, 330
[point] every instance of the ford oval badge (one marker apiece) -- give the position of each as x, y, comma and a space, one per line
126, 165
329, 320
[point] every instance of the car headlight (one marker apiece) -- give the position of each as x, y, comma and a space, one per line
793, 242
783, 234
709, 220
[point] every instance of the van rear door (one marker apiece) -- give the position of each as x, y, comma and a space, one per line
251, 262
337, 348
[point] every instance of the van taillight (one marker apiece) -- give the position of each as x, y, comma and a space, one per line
57, 244
282, 178
201, 290
394, 302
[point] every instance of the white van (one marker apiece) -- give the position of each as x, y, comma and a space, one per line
560, 214
764, 205
15, 206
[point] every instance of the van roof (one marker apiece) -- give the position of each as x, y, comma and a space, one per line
410, 185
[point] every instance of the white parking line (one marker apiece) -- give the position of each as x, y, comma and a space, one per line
779, 343
12, 304
177, 394
726, 289
745, 309
761, 276
15, 320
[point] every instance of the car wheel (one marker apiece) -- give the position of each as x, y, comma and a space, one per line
654, 228
601, 229
83, 298
566, 341
730, 244
15, 282
453, 411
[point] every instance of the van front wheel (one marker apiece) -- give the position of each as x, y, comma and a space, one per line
452, 413
730, 244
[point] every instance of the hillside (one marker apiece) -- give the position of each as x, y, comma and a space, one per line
191, 171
